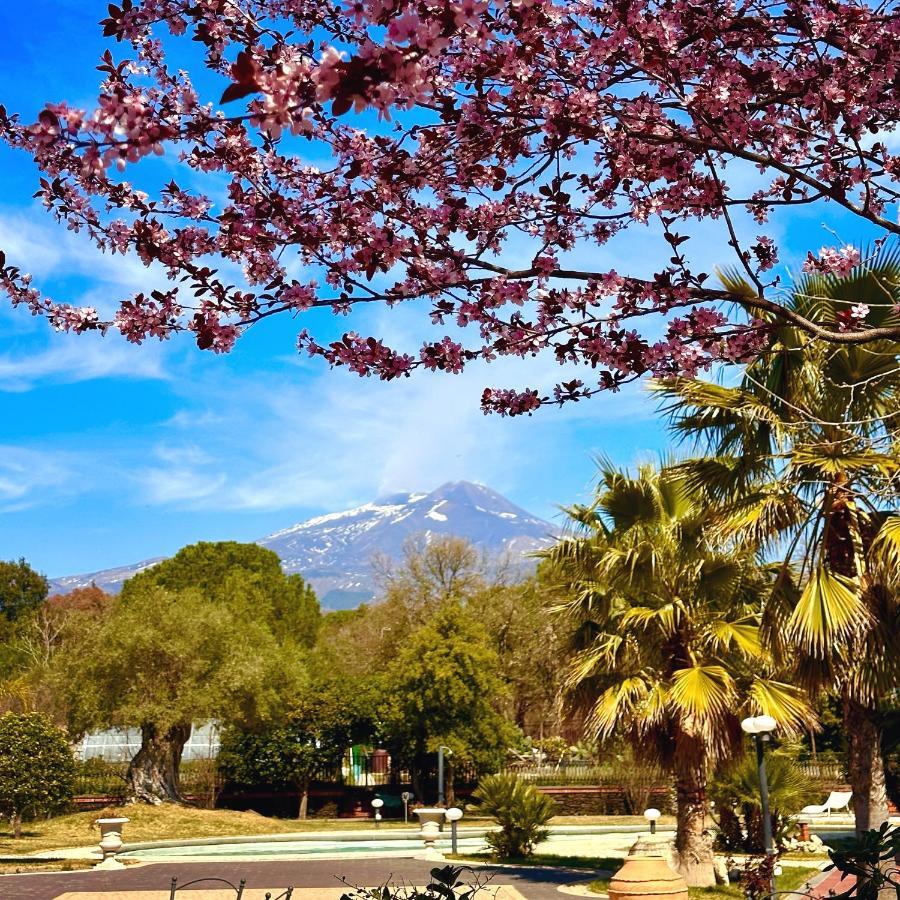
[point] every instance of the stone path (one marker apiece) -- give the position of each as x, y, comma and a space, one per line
531, 883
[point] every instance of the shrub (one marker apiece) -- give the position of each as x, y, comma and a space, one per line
446, 884
736, 795
520, 810
37, 768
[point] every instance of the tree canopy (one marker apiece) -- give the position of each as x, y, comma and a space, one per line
223, 570
483, 161
21, 588
308, 742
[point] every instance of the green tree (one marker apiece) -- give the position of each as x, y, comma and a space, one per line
286, 601
802, 453
530, 645
667, 644
162, 660
310, 743
21, 588
37, 769
444, 688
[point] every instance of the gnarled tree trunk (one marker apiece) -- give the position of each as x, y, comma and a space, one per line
693, 845
153, 772
866, 764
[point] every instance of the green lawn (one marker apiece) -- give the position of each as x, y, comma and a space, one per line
792, 879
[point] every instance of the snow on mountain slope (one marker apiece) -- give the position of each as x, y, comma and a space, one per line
334, 552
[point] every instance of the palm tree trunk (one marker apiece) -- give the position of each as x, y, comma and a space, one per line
866, 765
693, 845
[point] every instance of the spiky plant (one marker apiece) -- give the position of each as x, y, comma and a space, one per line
736, 792
520, 810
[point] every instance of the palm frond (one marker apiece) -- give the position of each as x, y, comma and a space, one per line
702, 691
830, 609
788, 704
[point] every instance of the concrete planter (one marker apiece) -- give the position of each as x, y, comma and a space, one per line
110, 842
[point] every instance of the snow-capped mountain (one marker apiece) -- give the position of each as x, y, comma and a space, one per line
334, 552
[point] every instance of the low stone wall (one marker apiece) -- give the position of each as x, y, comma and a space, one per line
600, 801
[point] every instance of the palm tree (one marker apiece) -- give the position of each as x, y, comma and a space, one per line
667, 635
803, 454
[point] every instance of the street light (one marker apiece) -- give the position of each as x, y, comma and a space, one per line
651, 815
377, 803
453, 815
761, 728
441, 751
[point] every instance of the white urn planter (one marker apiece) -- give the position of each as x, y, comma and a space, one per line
110, 842
431, 819
430, 833
431, 814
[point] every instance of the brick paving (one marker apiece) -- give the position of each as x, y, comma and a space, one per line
532, 883
831, 883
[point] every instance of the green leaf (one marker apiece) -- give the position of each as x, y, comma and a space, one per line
829, 610
702, 691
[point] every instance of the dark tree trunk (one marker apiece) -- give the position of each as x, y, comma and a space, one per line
449, 785
693, 845
153, 772
866, 765
15, 820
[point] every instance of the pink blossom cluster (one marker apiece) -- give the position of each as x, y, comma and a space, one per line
838, 261
468, 156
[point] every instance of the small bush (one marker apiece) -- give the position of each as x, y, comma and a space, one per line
327, 810
37, 768
736, 795
520, 810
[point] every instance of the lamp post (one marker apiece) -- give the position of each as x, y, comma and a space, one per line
651, 815
761, 728
406, 796
441, 751
377, 803
453, 815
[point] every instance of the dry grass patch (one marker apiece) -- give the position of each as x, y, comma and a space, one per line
165, 822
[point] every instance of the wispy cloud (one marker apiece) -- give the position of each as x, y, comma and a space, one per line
29, 476
319, 442
83, 358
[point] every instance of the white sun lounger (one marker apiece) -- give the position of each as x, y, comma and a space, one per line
837, 800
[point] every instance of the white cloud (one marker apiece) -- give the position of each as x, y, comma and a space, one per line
72, 358
29, 476
331, 439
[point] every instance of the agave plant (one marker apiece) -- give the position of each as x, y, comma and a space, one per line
520, 810
802, 455
668, 648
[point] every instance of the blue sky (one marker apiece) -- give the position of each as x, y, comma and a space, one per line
111, 453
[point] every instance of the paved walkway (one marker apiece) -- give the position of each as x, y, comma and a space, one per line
831, 883
532, 883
